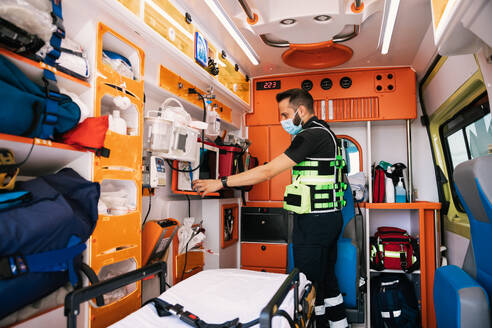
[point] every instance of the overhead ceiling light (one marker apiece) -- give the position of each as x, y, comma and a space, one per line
288, 21
388, 24
233, 31
322, 18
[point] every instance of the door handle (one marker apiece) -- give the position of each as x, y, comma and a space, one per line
263, 247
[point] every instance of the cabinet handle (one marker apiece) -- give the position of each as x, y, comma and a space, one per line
263, 247
265, 163
263, 270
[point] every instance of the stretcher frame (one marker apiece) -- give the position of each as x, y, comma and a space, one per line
75, 298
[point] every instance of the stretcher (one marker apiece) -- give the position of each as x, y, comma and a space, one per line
215, 297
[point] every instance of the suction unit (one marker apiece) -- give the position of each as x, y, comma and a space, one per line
171, 133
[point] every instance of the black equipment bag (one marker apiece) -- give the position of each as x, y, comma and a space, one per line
393, 302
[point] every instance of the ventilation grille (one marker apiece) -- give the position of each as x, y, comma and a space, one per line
348, 109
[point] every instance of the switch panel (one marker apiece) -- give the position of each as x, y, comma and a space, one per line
385, 81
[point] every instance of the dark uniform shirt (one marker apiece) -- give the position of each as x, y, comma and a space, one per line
315, 143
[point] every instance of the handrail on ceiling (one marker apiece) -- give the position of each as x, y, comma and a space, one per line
357, 4
247, 9
286, 44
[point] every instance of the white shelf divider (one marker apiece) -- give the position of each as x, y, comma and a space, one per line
46, 156
34, 71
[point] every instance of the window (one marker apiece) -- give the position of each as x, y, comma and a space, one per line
352, 157
479, 136
466, 136
352, 154
457, 148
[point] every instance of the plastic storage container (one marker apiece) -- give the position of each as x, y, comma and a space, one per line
226, 160
169, 133
159, 132
401, 194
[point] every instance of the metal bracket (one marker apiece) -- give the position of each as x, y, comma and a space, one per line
188, 18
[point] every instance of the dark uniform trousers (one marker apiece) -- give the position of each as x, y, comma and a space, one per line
314, 240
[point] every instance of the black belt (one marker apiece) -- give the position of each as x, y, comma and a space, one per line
165, 309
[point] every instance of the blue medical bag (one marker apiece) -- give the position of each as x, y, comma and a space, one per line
31, 110
41, 241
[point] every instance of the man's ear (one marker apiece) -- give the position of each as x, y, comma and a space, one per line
302, 111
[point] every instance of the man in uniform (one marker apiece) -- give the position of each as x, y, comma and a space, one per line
316, 197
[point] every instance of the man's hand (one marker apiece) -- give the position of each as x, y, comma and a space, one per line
205, 187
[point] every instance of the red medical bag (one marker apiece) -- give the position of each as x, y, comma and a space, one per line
228, 160
394, 248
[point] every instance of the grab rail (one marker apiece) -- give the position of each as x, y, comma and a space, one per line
272, 308
79, 296
286, 44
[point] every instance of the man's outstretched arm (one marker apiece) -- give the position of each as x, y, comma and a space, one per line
247, 178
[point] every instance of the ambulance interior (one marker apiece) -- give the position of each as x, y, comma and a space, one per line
186, 90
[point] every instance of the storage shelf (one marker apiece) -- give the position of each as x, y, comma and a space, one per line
174, 185
47, 156
194, 193
159, 44
402, 206
264, 204
396, 271
155, 92
34, 71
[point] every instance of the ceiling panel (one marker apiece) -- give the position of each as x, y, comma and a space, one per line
414, 17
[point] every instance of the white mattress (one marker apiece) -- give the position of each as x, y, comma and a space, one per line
217, 296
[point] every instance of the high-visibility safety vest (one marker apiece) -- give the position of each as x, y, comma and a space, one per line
317, 183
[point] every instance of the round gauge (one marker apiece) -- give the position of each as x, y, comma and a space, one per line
345, 82
307, 85
326, 84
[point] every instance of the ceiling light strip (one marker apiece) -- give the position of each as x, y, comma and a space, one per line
233, 31
447, 15
389, 19
170, 19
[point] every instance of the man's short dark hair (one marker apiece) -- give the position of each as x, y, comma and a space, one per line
297, 97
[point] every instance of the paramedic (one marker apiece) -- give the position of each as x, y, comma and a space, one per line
315, 234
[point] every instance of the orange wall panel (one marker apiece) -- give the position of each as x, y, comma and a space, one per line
111, 76
162, 26
132, 5
265, 109
259, 137
105, 240
373, 94
279, 142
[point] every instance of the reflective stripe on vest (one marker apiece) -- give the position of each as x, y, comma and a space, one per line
396, 255
327, 180
393, 254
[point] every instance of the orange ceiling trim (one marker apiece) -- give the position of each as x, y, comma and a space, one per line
317, 55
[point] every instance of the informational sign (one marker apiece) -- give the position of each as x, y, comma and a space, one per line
201, 49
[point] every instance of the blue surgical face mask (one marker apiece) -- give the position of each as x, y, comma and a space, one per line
290, 127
